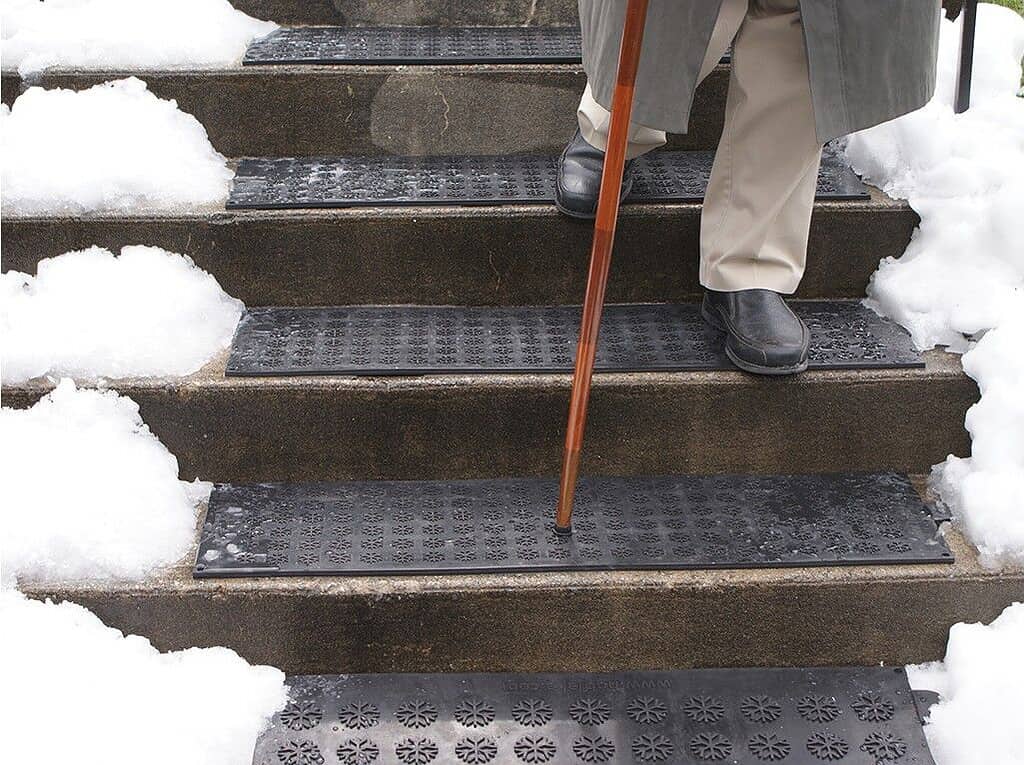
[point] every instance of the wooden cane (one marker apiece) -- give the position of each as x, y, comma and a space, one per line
600, 256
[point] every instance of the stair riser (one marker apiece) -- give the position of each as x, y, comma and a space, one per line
310, 111
261, 430
468, 256
776, 622
412, 12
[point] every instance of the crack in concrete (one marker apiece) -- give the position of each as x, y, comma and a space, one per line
447, 108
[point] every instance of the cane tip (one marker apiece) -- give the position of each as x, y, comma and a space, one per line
563, 531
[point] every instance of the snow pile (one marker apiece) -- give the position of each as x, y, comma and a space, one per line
90, 314
88, 492
981, 685
115, 147
125, 34
962, 276
119, 701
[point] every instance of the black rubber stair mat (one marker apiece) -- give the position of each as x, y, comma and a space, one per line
505, 525
418, 340
851, 715
328, 182
417, 45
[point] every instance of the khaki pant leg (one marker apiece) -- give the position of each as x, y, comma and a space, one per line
757, 210
595, 120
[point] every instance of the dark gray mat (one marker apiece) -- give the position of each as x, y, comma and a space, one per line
325, 182
850, 715
417, 45
416, 340
505, 525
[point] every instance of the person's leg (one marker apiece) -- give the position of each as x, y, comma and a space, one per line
580, 166
594, 119
757, 209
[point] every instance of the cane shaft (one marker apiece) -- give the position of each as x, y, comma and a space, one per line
600, 255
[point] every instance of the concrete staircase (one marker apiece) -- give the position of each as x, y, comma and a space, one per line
335, 428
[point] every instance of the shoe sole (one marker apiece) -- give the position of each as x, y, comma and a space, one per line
747, 366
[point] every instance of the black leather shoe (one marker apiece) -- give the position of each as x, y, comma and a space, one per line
763, 335
579, 178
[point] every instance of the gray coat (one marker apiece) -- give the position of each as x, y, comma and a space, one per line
870, 60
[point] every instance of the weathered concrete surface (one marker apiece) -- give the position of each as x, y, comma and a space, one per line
412, 12
324, 428
281, 111
514, 255
582, 621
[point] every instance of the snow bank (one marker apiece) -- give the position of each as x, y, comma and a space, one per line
981, 684
117, 700
117, 35
112, 148
962, 276
88, 492
90, 314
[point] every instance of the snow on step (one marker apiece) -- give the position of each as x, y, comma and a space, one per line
981, 689
961, 281
119, 700
125, 35
91, 314
113, 148
89, 492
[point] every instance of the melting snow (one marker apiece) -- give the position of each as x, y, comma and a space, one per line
90, 314
116, 700
981, 685
118, 35
115, 147
960, 282
89, 492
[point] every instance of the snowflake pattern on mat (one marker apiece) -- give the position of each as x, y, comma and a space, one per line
647, 710
884, 745
655, 748
769, 747
590, 711
474, 713
476, 750
358, 751
761, 709
416, 751
300, 753
359, 715
534, 749
827, 746
873, 707
704, 709
818, 709
710, 746
532, 712
301, 715
416, 714
593, 748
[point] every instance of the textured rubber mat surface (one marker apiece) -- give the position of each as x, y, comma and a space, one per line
414, 340
322, 182
417, 45
727, 521
850, 715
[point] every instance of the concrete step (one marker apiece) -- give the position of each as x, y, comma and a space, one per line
501, 255
581, 621
413, 12
491, 425
405, 110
